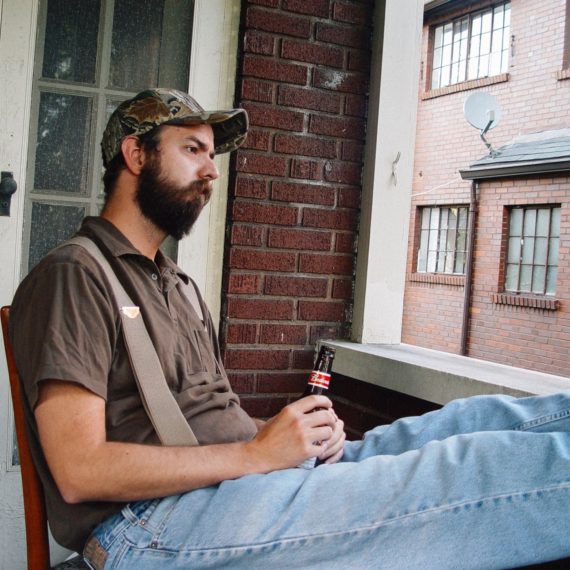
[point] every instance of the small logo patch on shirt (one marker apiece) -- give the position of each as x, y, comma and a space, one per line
131, 312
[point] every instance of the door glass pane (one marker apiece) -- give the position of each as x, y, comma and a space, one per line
514, 254
540, 247
126, 44
135, 47
529, 223
51, 225
431, 261
62, 143
512, 278
538, 279
459, 262
515, 222
422, 253
553, 251
498, 19
70, 52
551, 280
543, 222
438, 39
555, 223
461, 240
150, 44
526, 278
528, 250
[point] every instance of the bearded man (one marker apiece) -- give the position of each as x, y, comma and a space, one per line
482, 483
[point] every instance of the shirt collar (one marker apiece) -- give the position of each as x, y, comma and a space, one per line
106, 234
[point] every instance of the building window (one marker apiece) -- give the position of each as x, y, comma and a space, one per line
532, 257
473, 46
443, 239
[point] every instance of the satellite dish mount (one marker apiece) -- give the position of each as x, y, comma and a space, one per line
482, 111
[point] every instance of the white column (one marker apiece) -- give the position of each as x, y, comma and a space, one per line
387, 179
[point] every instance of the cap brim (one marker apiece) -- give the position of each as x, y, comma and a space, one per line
230, 127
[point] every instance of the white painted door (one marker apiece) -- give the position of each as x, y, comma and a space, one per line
17, 37
62, 71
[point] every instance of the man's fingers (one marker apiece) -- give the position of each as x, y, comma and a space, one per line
309, 403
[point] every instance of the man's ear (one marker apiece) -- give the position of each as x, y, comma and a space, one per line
133, 154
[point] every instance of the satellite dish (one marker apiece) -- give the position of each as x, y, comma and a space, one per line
482, 111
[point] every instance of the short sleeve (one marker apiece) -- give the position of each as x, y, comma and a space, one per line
63, 324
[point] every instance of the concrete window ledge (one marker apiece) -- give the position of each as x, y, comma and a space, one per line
437, 376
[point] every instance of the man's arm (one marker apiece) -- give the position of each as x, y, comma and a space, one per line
87, 467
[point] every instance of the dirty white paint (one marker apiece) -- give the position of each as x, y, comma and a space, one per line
17, 36
334, 80
212, 83
383, 238
212, 80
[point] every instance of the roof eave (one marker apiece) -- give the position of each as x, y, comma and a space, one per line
515, 170
435, 6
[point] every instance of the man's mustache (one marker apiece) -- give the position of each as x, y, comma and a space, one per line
202, 187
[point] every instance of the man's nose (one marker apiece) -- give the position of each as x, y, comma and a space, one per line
209, 169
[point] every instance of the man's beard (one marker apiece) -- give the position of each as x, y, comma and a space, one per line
166, 204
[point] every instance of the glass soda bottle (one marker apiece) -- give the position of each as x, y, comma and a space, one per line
318, 384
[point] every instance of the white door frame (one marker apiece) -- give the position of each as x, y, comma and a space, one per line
212, 82
17, 39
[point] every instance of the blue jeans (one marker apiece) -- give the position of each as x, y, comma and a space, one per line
482, 483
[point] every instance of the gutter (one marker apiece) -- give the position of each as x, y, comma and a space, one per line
518, 169
473, 203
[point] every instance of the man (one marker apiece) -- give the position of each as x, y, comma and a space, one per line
430, 492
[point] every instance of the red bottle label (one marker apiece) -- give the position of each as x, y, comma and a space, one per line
320, 379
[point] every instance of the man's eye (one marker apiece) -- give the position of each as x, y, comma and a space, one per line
192, 149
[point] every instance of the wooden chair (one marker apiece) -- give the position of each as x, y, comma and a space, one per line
37, 542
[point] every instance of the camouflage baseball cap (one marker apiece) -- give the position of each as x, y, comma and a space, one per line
155, 107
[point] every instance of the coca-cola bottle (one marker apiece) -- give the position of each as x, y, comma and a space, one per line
318, 384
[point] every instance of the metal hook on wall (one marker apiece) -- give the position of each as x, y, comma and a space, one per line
395, 168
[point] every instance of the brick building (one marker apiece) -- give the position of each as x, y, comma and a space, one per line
518, 308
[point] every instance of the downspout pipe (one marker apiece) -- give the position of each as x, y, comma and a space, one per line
473, 203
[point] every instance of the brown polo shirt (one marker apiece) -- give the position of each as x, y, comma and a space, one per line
64, 325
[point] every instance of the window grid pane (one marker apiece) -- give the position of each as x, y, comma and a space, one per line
443, 240
471, 47
532, 256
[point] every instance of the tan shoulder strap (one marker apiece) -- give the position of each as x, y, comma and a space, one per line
160, 405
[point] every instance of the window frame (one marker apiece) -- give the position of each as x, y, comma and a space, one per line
441, 231
508, 237
469, 16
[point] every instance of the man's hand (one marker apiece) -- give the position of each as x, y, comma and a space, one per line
333, 448
298, 433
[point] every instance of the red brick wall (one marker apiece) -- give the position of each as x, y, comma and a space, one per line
294, 202
523, 336
533, 98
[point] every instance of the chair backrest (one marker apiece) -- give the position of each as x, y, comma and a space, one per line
34, 502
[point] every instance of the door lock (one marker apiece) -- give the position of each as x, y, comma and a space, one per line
7, 187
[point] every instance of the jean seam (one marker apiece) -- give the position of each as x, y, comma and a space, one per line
117, 560
363, 529
543, 420
157, 531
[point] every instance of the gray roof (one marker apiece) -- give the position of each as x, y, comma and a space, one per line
536, 153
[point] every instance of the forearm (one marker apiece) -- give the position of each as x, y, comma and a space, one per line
87, 467
125, 472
